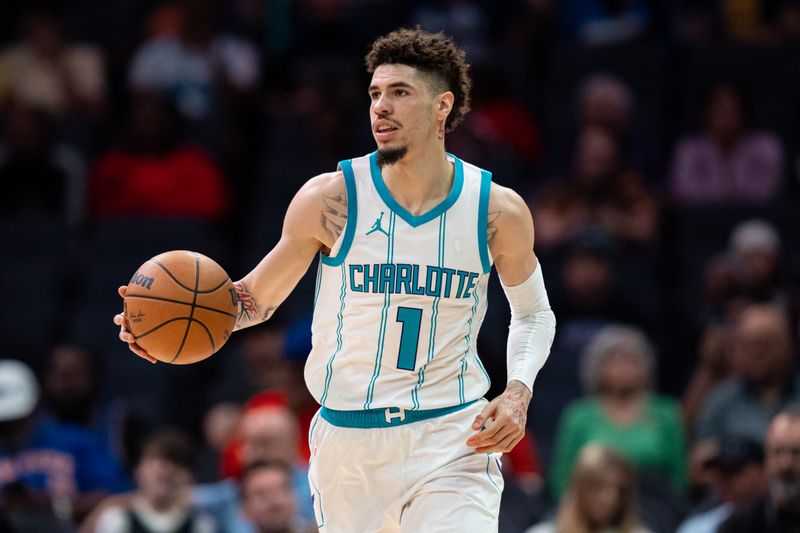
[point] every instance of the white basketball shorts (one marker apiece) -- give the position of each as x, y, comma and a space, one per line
389, 471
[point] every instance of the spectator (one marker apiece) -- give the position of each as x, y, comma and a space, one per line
714, 366
755, 248
195, 63
601, 496
765, 380
71, 395
219, 427
268, 499
622, 411
268, 432
40, 176
155, 174
591, 282
604, 22
45, 72
606, 100
729, 162
465, 20
162, 500
47, 467
779, 511
604, 193
738, 469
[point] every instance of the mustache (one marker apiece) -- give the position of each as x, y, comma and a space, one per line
390, 119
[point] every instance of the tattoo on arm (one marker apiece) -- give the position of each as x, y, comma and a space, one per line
491, 227
334, 215
250, 313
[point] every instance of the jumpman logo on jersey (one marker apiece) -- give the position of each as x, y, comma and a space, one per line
376, 226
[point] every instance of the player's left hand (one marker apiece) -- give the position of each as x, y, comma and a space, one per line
509, 411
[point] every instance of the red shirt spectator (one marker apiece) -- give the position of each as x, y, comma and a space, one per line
184, 182
154, 173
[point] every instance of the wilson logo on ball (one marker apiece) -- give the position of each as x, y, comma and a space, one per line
142, 281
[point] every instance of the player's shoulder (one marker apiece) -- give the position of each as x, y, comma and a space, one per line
328, 183
508, 201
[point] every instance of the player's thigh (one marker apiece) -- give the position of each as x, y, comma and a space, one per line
465, 500
355, 488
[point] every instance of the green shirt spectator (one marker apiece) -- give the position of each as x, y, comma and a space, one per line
621, 411
653, 442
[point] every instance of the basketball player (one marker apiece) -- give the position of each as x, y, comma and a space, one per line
406, 238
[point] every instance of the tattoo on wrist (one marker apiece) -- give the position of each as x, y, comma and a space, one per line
249, 310
247, 305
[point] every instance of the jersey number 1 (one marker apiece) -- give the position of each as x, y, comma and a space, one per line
410, 318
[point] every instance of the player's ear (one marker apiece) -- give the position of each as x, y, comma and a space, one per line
444, 104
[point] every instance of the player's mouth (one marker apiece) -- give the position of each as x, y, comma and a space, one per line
384, 130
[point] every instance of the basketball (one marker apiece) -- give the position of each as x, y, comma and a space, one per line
181, 307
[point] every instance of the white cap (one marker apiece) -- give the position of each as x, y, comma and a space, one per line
19, 390
755, 236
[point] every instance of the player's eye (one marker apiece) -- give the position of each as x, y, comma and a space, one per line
374, 95
401, 92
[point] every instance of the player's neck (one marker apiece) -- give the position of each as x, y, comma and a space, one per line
420, 180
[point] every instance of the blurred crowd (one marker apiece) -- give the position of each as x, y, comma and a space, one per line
655, 141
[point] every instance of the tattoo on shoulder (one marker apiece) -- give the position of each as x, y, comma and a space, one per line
334, 215
491, 227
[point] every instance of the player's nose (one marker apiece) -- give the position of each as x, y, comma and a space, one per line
381, 106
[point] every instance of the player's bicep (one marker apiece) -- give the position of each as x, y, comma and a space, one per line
271, 281
512, 240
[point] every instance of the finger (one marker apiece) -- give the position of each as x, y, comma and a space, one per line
492, 440
503, 445
487, 413
126, 336
119, 319
482, 437
496, 444
122, 290
138, 350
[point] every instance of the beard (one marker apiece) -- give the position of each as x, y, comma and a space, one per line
391, 156
784, 492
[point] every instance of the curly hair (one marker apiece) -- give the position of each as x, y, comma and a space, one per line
434, 54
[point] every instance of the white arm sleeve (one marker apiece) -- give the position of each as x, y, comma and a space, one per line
532, 328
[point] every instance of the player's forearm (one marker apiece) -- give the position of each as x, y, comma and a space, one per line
251, 310
531, 330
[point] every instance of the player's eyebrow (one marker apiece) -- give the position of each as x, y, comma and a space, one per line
392, 85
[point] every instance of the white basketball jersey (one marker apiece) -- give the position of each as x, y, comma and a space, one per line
400, 299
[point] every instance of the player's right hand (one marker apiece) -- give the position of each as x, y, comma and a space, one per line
126, 336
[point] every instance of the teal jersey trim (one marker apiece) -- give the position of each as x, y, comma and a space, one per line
418, 220
376, 371
329, 366
488, 462
318, 282
352, 216
468, 340
384, 417
434, 317
475, 354
321, 520
483, 220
